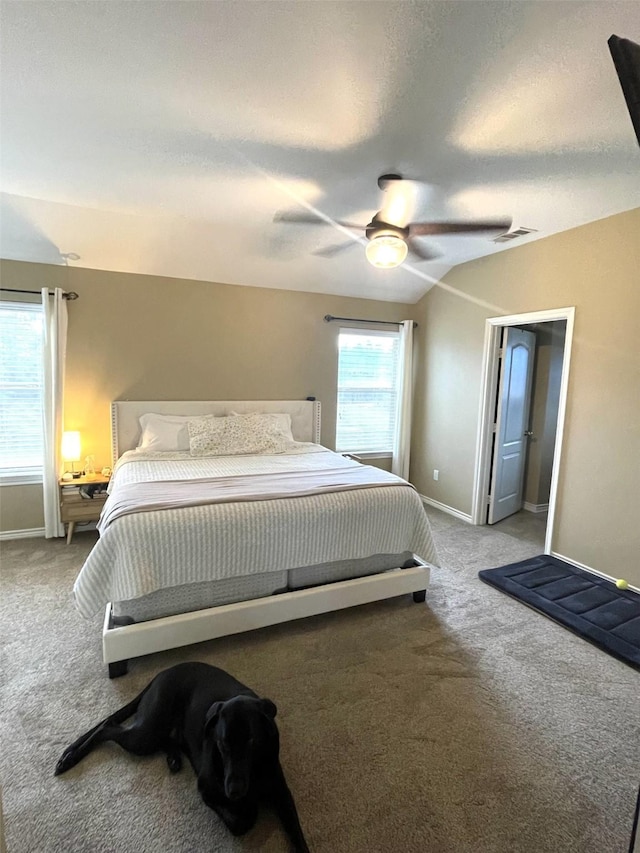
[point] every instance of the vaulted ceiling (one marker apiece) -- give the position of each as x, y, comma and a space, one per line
163, 137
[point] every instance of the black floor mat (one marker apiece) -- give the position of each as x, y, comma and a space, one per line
590, 606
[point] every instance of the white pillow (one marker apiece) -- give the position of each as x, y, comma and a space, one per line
165, 432
237, 434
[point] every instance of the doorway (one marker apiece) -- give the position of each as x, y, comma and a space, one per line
531, 478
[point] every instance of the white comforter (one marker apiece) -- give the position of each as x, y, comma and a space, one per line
139, 553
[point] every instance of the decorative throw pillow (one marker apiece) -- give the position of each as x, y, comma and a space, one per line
280, 421
235, 435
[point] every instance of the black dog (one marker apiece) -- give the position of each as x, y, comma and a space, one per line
228, 733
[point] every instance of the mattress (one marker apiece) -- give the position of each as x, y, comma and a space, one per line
145, 553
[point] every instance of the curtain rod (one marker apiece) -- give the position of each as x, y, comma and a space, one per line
71, 295
328, 318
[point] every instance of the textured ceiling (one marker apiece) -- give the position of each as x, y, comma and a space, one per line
162, 137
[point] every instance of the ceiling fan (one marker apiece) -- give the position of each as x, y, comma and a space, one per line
389, 242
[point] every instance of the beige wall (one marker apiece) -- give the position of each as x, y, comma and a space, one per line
148, 338
595, 268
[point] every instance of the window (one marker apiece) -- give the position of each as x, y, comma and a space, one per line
367, 390
21, 393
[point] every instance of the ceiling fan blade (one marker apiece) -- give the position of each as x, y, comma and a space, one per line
421, 253
335, 249
418, 229
304, 218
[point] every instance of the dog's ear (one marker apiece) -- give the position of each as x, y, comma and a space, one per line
268, 708
212, 715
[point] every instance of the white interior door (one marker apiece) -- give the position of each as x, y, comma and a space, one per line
512, 420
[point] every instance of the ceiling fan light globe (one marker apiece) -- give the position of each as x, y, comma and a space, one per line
386, 251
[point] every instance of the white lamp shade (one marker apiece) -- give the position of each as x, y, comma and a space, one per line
71, 446
386, 251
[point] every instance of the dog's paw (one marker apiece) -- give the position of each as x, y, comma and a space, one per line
66, 761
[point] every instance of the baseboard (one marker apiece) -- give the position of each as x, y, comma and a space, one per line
535, 507
32, 533
36, 532
589, 569
448, 509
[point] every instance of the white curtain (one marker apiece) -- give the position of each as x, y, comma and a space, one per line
402, 443
54, 310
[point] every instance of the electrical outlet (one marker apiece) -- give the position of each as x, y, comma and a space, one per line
436, 473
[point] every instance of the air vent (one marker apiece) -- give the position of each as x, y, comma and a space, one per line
512, 235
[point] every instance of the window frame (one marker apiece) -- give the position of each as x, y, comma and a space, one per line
393, 333
32, 474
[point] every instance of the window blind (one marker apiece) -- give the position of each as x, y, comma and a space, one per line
367, 390
21, 391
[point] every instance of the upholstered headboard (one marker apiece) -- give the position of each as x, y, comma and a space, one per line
125, 426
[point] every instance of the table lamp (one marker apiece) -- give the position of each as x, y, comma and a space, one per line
71, 451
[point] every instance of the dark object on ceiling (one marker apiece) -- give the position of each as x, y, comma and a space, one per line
626, 58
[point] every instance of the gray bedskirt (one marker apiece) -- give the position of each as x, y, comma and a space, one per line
187, 598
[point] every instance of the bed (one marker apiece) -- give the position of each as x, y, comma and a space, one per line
224, 517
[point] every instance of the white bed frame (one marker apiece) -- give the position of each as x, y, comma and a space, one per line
119, 643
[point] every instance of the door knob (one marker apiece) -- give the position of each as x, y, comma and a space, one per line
528, 432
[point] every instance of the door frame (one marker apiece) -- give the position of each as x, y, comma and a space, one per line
488, 390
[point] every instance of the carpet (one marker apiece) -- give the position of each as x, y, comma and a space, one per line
464, 724
588, 605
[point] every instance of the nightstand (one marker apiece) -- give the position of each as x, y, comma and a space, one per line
74, 508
